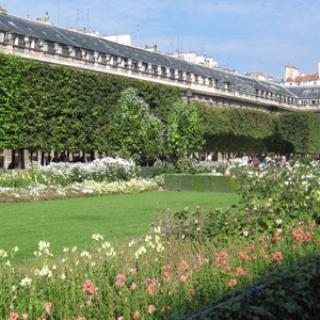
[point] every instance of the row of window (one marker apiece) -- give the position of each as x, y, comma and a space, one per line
137, 66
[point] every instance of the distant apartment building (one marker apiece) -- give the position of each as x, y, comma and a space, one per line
195, 58
293, 77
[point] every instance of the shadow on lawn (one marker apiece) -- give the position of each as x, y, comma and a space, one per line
290, 293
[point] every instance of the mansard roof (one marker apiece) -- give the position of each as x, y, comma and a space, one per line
306, 92
9, 23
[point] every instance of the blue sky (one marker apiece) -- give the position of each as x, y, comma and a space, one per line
245, 35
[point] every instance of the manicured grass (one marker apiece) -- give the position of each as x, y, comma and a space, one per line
72, 222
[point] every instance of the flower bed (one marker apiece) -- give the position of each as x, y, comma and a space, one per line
150, 278
85, 188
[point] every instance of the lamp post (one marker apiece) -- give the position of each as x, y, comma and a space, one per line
189, 95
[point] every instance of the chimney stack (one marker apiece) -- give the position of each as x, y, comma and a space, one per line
2, 9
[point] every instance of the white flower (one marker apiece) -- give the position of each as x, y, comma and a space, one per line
85, 254
141, 251
26, 282
44, 272
3, 254
245, 233
97, 237
279, 221
157, 230
131, 243
63, 276
15, 249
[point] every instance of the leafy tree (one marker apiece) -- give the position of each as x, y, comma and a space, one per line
133, 130
183, 134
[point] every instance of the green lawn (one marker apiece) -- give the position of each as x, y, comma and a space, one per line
72, 222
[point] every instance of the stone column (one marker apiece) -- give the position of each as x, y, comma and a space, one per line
27, 160
7, 153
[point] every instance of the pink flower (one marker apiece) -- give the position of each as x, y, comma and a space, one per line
192, 293
14, 316
24, 316
151, 309
276, 237
89, 303
166, 276
120, 279
133, 271
136, 315
298, 234
133, 287
232, 283
185, 266
47, 308
80, 318
261, 239
167, 268
184, 278
152, 288
120, 318
308, 236
240, 272
242, 256
277, 256
89, 288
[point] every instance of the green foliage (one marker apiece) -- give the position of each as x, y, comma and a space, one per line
183, 133
301, 131
269, 201
184, 182
236, 130
292, 293
133, 130
46, 107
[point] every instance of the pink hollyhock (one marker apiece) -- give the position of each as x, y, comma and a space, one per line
136, 315
120, 279
24, 316
89, 303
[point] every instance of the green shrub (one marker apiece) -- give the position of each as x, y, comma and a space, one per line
292, 293
201, 183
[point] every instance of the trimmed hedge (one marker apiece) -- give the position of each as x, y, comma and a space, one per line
290, 294
238, 130
48, 107
56, 108
200, 183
